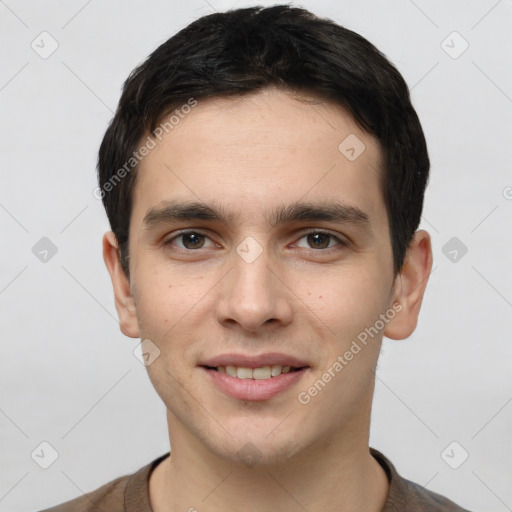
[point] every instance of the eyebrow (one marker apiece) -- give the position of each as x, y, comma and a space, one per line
176, 211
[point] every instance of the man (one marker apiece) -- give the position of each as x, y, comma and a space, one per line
264, 178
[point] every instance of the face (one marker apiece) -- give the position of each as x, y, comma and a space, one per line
287, 252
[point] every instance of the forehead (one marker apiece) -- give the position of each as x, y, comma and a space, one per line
261, 150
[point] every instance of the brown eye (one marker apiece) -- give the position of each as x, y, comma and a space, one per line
318, 240
189, 240
192, 240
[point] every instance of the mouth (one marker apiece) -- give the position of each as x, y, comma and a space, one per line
254, 384
254, 377
259, 373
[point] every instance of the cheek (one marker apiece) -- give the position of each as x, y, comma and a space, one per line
350, 299
164, 297
171, 313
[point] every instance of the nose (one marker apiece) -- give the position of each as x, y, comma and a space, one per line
253, 296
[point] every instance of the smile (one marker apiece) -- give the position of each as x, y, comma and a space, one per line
262, 373
254, 384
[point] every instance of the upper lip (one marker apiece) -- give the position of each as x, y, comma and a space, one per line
257, 361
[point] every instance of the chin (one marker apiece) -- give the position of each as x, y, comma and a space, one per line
259, 450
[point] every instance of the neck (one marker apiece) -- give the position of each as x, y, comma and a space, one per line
336, 474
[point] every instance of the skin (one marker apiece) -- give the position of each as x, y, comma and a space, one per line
301, 296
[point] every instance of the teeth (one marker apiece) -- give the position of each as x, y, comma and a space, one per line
244, 373
263, 373
231, 371
275, 370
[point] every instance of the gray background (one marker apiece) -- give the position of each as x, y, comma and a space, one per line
68, 375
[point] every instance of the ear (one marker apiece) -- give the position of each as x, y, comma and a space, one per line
410, 286
125, 303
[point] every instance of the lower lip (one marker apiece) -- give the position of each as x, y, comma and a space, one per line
254, 389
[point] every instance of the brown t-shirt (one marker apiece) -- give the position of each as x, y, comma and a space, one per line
130, 493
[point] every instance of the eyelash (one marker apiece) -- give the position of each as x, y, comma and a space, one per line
311, 232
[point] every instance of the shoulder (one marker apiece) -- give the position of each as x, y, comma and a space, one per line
128, 493
108, 497
423, 500
404, 495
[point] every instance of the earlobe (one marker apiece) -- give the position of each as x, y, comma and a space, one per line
125, 304
410, 287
